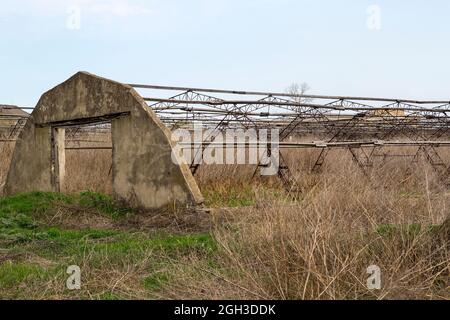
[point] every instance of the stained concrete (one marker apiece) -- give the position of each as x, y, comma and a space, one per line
7, 111
144, 175
10, 116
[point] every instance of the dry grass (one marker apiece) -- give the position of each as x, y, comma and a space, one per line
320, 245
314, 244
85, 169
88, 170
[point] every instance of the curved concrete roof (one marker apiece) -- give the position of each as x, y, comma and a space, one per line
10, 110
146, 172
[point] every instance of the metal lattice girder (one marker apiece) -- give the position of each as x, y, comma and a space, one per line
365, 126
341, 119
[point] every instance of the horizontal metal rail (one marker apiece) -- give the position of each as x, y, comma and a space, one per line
281, 94
89, 148
286, 104
318, 144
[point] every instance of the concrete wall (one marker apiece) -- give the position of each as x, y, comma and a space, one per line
31, 163
144, 175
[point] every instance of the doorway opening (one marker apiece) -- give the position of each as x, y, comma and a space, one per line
82, 157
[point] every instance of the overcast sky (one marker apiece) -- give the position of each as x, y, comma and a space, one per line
389, 48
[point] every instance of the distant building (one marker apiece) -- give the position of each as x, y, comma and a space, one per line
389, 113
12, 119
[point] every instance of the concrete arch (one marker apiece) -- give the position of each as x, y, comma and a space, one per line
144, 175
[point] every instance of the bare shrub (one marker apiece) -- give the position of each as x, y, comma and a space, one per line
321, 246
88, 170
313, 244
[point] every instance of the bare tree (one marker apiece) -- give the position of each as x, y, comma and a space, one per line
299, 90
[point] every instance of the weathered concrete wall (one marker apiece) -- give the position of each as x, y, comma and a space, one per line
31, 162
148, 174
59, 136
144, 174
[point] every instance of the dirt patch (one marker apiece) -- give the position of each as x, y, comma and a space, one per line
180, 222
76, 217
10, 257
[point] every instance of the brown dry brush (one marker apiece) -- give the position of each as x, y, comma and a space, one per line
320, 246
88, 170
316, 243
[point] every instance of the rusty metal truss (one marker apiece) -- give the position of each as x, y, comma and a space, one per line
365, 126
368, 128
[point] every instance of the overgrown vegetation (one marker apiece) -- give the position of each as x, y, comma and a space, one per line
318, 243
257, 241
116, 262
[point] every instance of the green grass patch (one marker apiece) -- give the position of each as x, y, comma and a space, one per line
16, 209
233, 197
410, 231
135, 246
19, 216
109, 296
104, 203
77, 235
12, 274
33, 202
26, 235
156, 281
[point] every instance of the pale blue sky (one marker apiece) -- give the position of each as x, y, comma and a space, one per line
234, 44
